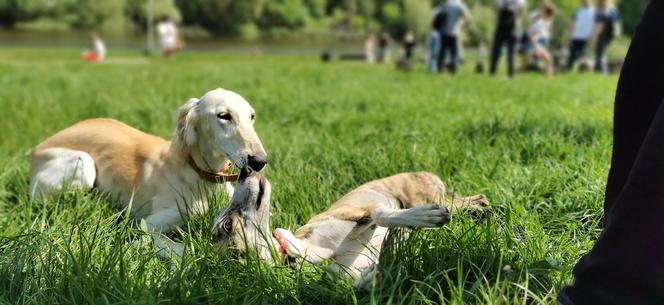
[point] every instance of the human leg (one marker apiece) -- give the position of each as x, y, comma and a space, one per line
454, 53
496, 51
624, 267
511, 45
600, 48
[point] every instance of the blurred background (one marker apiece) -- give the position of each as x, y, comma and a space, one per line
291, 26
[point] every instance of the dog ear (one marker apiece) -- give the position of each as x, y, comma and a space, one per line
185, 130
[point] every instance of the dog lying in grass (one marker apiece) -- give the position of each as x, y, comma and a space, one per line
351, 232
161, 181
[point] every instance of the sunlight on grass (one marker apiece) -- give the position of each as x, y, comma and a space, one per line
537, 147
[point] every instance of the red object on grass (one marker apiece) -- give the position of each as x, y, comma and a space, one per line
91, 56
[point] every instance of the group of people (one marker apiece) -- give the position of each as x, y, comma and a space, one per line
590, 25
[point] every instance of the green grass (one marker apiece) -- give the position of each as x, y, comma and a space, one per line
537, 147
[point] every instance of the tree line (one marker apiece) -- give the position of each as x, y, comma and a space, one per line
254, 18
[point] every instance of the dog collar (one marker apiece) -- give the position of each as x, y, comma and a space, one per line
220, 177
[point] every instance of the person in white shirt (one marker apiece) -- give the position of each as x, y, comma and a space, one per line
509, 14
583, 26
168, 36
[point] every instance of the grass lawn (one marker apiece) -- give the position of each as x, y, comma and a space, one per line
538, 148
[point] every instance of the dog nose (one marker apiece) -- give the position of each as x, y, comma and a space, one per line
257, 162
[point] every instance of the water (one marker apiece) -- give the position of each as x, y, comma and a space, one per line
80, 39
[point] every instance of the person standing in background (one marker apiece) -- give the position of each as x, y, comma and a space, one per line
370, 48
507, 28
456, 14
384, 48
408, 45
607, 26
168, 36
583, 25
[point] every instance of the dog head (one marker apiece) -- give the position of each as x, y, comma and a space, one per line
244, 225
219, 127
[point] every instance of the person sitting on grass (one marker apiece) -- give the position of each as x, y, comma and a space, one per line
98, 52
456, 14
536, 42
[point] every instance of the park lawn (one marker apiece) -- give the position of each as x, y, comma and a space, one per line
537, 147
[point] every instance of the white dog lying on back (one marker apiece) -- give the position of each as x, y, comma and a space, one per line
351, 232
162, 180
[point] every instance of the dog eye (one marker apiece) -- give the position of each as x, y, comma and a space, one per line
227, 225
224, 116
253, 116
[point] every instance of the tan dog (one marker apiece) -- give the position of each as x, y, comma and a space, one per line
162, 181
351, 232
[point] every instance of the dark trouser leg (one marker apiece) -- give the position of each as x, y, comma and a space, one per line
441, 54
496, 51
600, 48
443, 51
454, 53
511, 44
577, 47
626, 265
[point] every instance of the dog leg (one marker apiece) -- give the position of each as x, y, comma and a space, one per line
475, 203
59, 168
164, 220
368, 278
424, 216
295, 247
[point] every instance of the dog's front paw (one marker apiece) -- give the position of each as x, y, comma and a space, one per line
428, 216
287, 242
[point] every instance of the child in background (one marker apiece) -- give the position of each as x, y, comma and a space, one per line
98, 52
607, 26
583, 25
536, 44
168, 36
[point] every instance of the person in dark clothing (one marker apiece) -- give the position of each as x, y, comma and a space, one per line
626, 264
439, 22
509, 13
607, 23
383, 48
408, 46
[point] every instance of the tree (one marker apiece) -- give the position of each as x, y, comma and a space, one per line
136, 11
13, 11
226, 17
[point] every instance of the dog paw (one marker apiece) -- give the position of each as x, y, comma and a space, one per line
428, 215
286, 241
